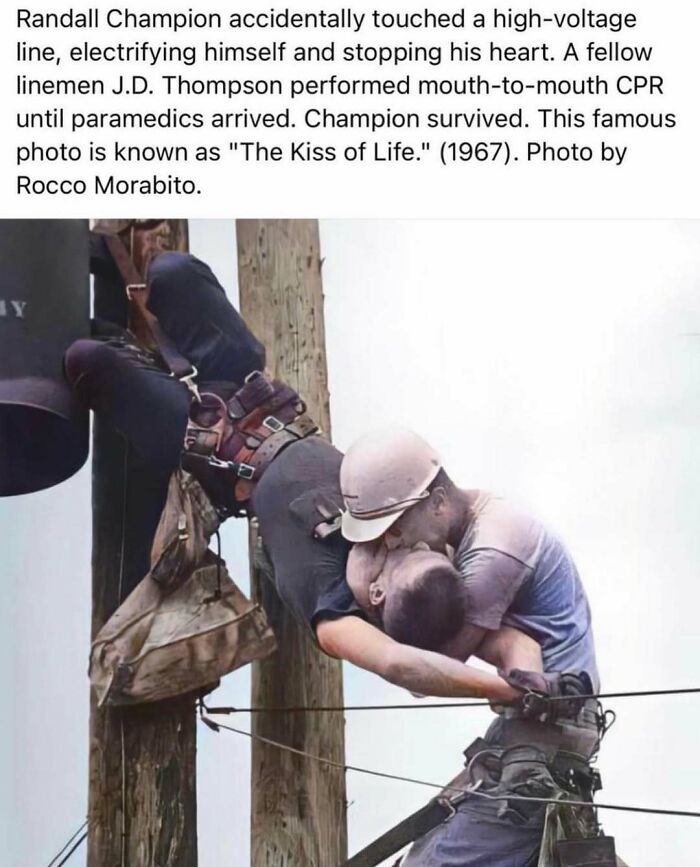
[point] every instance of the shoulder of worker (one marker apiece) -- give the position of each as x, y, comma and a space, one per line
498, 525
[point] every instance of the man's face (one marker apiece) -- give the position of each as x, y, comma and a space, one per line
402, 567
427, 522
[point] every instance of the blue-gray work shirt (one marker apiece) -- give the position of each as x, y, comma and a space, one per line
519, 574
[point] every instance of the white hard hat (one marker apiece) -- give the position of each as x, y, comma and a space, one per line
384, 473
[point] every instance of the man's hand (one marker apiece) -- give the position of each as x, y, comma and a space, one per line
538, 688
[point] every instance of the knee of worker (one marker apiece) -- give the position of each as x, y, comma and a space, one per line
193, 309
171, 267
180, 280
181, 289
84, 359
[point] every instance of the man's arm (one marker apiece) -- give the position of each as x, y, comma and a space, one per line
422, 671
507, 648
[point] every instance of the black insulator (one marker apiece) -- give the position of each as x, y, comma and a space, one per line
44, 307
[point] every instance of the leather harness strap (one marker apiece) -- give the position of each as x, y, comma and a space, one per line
267, 451
261, 442
122, 259
246, 433
416, 825
137, 291
179, 366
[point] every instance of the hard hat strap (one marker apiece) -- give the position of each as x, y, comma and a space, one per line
385, 511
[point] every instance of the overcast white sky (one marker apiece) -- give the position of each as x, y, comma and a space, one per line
557, 363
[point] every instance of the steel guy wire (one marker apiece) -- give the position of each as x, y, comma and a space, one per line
435, 705
456, 789
441, 705
52, 862
74, 849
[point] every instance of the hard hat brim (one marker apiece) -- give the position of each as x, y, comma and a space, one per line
357, 530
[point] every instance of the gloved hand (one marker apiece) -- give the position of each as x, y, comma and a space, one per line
539, 688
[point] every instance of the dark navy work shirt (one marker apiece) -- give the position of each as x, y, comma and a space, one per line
309, 572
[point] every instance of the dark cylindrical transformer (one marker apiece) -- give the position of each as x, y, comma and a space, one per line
44, 307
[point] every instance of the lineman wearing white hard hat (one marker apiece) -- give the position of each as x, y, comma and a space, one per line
382, 475
296, 496
517, 583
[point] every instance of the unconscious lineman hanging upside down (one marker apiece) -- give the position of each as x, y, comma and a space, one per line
510, 594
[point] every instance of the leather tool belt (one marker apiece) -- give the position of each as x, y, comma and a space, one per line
530, 758
579, 734
229, 443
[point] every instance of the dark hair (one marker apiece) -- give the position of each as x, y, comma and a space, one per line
429, 611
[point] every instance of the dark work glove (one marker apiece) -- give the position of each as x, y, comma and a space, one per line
539, 689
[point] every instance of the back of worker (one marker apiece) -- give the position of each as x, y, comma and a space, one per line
295, 498
518, 573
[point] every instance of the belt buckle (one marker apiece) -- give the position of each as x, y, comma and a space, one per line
245, 471
273, 424
133, 288
213, 461
194, 434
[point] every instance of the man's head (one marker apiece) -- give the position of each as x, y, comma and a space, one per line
394, 486
430, 521
415, 596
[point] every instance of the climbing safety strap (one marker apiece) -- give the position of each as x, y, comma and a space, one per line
137, 291
421, 822
228, 443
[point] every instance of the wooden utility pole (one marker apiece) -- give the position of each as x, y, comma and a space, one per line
142, 797
298, 805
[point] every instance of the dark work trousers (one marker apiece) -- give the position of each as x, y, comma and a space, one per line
128, 388
476, 836
480, 834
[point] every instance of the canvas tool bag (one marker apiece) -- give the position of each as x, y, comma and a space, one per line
186, 624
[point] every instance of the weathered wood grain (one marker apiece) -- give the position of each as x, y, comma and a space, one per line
142, 796
298, 806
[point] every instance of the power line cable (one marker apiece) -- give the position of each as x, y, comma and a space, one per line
52, 862
457, 790
441, 705
342, 708
437, 705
